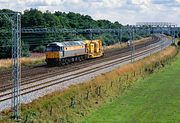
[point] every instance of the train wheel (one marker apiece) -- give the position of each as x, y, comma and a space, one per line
69, 60
79, 58
75, 59
62, 62
66, 61
82, 58
72, 60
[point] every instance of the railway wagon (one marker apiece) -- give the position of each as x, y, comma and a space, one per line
72, 51
94, 48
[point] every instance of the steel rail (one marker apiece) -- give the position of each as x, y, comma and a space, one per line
54, 73
51, 82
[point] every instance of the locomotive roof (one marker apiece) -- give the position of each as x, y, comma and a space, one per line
68, 43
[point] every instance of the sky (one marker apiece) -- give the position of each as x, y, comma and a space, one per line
123, 11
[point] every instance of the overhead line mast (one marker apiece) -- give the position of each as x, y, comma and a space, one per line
15, 19
16, 55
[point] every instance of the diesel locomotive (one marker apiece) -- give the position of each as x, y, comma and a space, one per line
71, 51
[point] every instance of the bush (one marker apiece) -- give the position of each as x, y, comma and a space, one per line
6, 49
40, 49
25, 50
125, 38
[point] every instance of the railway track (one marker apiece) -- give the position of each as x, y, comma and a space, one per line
36, 86
74, 67
40, 71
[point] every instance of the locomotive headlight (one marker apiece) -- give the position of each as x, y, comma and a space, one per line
60, 54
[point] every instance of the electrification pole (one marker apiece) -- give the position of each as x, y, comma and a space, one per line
161, 32
132, 45
120, 35
16, 72
173, 40
91, 35
15, 20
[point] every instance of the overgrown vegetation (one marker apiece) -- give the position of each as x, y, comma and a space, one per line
26, 61
76, 102
40, 49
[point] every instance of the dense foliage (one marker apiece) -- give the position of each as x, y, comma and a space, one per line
34, 18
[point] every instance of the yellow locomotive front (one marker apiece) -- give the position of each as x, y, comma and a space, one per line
53, 53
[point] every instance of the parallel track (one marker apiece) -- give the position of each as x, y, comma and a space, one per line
43, 69
141, 51
73, 67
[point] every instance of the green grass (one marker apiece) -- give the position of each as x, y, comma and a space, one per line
78, 101
155, 99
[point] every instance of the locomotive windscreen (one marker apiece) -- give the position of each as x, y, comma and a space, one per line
53, 48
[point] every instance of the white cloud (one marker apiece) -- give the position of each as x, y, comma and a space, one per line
124, 11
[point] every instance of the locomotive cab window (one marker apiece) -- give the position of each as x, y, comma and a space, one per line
53, 48
61, 48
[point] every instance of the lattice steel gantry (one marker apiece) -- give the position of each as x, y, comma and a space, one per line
156, 24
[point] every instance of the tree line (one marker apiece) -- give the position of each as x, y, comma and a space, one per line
34, 18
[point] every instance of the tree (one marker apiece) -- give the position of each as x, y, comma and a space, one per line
33, 18
5, 48
51, 20
107, 39
117, 25
125, 38
104, 24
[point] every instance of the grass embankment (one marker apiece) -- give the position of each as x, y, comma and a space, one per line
155, 99
7, 63
78, 101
